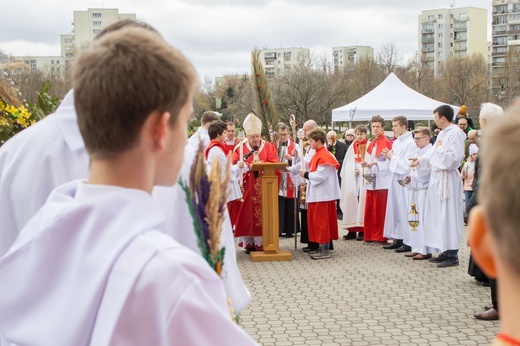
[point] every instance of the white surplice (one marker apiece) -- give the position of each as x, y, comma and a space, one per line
443, 220
34, 162
396, 219
352, 187
216, 153
201, 135
93, 268
52, 152
179, 225
418, 189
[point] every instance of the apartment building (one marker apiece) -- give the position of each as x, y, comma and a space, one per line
349, 55
277, 61
453, 32
505, 29
52, 64
85, 26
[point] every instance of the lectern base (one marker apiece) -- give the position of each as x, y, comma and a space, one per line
262, 256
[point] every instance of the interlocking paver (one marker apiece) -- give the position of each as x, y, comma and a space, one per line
363, 295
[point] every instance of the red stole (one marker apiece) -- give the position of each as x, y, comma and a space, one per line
323, 157
214, 143
381, 143
357, 152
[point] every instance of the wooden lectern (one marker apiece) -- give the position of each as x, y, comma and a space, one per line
270, 218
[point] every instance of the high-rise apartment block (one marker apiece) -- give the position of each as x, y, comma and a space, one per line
506, 29
86, 25
277, 61
348, 56
453, 32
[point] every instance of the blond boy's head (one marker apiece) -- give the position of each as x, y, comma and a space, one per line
123, 78
495, 239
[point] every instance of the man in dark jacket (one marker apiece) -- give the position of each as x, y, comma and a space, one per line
339, 150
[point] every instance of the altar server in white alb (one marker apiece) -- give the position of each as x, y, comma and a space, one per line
396, 221
418, 188
53, 147
443, 221
202, 135
353, 193
94, 258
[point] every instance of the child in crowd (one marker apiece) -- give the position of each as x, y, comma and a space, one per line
467, 172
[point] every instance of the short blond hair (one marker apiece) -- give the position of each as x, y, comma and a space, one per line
499, 185
121, 79
423, 130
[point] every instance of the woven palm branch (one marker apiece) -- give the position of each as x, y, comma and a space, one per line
264, 102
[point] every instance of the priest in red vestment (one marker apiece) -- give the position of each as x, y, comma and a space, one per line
377, 191
231, 141
248, 222
288, 183
322, 192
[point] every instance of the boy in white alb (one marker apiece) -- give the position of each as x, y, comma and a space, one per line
93, 258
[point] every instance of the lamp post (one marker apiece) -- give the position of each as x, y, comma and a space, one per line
501, 93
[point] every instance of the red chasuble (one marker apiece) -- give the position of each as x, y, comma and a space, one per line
322, 217
248, 220
229, 148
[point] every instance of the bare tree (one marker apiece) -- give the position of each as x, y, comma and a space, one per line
309, 92
506, 79
388, 58
465, 81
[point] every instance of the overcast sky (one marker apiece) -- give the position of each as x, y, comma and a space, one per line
218, 36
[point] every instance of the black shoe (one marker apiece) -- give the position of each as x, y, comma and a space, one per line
350, 236
403, 248
308, 249
442, 257
361, 236
289, 236
450, 262
393, 246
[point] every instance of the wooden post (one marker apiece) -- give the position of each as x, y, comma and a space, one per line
270, 217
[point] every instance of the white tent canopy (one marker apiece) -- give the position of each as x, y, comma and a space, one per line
389, 99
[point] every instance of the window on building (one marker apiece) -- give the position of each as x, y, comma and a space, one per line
96, 15
451, 35
439, 54
52, 61
96, 23
440, 34
451, 44
431, 18
439, 44
451, 26
57, 62
440, 16
96, 31
68, 40
439, 26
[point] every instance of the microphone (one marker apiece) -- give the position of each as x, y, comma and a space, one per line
250, 153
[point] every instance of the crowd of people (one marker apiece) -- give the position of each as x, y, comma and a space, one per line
90, 210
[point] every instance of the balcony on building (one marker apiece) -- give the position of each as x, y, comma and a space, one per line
498, 54
460, 27
427, 39
269, 64
427, 30
460, 48
426, 49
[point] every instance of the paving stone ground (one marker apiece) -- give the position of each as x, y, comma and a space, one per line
363, 295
